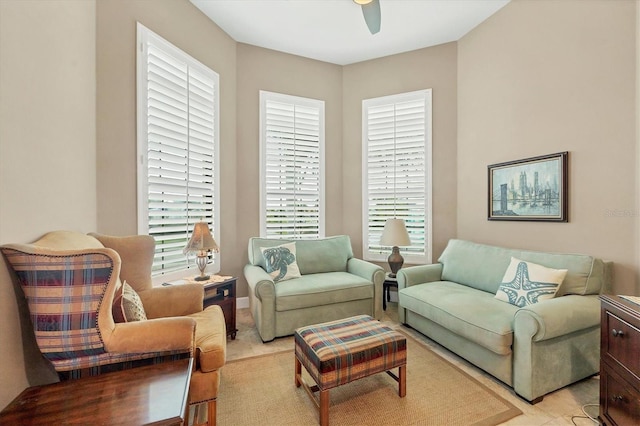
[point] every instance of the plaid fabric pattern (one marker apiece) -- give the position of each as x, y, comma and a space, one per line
120, 362
338, 352
64, 294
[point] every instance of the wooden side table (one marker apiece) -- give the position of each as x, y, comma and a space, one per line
153, 394
223, 294
386, 287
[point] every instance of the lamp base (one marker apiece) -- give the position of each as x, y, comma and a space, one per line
395, 261
201, 261
202, 278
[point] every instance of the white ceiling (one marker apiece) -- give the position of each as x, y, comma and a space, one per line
334, 30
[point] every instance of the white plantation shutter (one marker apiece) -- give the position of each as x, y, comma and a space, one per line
291, 166
178, 149
397, 172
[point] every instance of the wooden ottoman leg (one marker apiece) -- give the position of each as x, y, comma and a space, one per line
298, 372
402, 383
324, 408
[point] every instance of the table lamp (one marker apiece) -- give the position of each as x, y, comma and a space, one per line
395, 234
201, 242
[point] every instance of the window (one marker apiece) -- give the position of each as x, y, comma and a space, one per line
396, 138
178, 137
291, 166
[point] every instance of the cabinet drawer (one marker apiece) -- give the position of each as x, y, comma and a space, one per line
622, 404
623, 343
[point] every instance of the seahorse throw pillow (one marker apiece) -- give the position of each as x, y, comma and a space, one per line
281, 261
526, 283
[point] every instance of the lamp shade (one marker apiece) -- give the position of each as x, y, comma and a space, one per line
201, 239
395, 233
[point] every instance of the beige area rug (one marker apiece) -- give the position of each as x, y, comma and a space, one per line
261, 391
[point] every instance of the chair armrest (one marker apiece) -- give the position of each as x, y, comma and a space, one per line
366, 270
419, 274
172, 300
155, 335
557, 317
260, 283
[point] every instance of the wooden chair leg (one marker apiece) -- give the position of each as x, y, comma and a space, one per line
211, 413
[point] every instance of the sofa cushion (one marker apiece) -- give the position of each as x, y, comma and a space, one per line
321, 289
313, 256
473, 314
527, 283
483, 266
280, 262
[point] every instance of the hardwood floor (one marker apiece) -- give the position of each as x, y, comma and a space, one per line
563, 407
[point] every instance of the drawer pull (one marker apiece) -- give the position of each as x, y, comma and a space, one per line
617, 398
617, 333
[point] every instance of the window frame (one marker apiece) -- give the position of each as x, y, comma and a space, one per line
424, 95
145, 37
266, 96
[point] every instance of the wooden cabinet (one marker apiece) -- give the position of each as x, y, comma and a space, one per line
224, 295
619, 362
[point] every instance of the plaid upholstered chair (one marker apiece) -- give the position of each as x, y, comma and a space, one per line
69, 280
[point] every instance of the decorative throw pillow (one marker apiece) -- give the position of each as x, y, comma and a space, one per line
281, 262
526, 283
127, 305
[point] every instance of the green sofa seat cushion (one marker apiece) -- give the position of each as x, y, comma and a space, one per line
321, 289
473, 314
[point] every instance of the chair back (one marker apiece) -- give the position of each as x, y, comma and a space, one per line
64, 292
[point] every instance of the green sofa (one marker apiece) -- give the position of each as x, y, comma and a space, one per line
535, 349
333, 285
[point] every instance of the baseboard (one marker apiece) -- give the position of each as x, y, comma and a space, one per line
242, 302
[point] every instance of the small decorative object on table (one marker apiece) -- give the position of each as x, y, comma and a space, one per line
218, 290
201, 242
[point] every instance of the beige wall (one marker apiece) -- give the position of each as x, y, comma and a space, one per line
264, 69
540, 77
432, 68
186, 27
47, 152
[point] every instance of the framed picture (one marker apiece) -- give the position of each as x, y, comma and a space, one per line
533, 189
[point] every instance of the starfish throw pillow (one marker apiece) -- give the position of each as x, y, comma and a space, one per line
526, 283
281, 262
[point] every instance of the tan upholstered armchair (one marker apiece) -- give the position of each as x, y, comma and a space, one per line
69, 280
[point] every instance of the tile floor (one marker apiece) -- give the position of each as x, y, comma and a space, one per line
563, 407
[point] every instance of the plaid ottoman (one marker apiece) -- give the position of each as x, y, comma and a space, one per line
339, 352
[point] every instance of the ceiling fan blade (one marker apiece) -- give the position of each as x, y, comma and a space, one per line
371, 13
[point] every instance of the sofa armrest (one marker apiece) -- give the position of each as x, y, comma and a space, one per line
260, 283
419, 274
557, 317
262, 300
366, 270
155, 335
373, 273
172, 301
